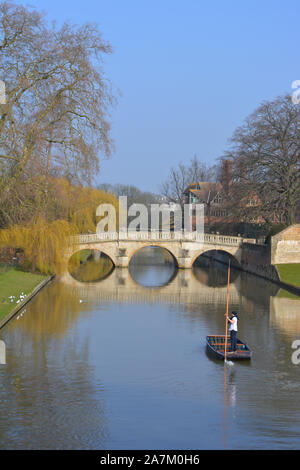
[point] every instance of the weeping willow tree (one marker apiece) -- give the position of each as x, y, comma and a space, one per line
78, 204
42, 242
71, 210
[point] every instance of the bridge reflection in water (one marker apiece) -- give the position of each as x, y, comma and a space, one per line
184, 288
201, 286
109, 375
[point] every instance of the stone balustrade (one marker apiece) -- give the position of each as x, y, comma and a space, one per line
208, 238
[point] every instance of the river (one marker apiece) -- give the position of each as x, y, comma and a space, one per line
122, 364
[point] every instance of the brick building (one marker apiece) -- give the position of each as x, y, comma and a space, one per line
216, 197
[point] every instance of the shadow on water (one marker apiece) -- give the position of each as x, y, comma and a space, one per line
214, 274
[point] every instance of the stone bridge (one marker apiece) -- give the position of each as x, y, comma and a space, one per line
184, 247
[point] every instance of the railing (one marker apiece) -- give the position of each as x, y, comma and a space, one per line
156, 235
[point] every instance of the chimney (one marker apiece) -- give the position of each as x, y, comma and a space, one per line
226, 179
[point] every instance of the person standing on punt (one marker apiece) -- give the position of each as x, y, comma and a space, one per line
233, 329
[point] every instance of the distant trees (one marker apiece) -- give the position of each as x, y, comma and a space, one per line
134, 194
265, 156
265, 152
183, 174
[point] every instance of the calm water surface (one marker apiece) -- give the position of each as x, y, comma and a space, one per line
122, 364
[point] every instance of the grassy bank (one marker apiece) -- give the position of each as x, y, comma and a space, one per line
13, 284
284, 294
289, 273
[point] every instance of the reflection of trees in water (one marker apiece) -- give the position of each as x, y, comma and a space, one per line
219, 256
50, 391
49, 368
252, 301
49, 385
53, 311
269, 383
84, 266
255, 288
214, 274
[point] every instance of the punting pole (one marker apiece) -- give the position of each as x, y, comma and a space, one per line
226, 322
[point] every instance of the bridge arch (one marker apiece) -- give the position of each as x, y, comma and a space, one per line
152, 245
90, 265
208, 250
106, 249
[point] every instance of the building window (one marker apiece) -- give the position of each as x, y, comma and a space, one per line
219, 213
251, 203
218, 199
193, 199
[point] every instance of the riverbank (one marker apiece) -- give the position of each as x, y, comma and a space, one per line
16, 289
289, 274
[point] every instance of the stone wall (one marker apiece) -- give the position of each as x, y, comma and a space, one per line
256, 259
285, 246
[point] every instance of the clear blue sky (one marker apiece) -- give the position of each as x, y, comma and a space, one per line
189, 71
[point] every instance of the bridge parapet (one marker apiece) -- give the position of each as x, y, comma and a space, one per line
156, 236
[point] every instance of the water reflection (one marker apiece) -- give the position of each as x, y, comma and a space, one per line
213, 274
119, 286
50, 396
117, 364
152, 267
285, 315
90, 266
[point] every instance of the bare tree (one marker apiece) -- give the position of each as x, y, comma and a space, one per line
134, 194
266, 162
57, 97
182, 175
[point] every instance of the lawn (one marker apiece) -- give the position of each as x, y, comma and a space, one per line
284, 294
14, 282
289, 273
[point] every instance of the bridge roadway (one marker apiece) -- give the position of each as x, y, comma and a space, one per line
185, 247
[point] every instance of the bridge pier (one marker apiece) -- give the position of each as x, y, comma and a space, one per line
122, 262
184, 263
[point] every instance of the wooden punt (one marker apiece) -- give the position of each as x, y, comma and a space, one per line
216, 346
